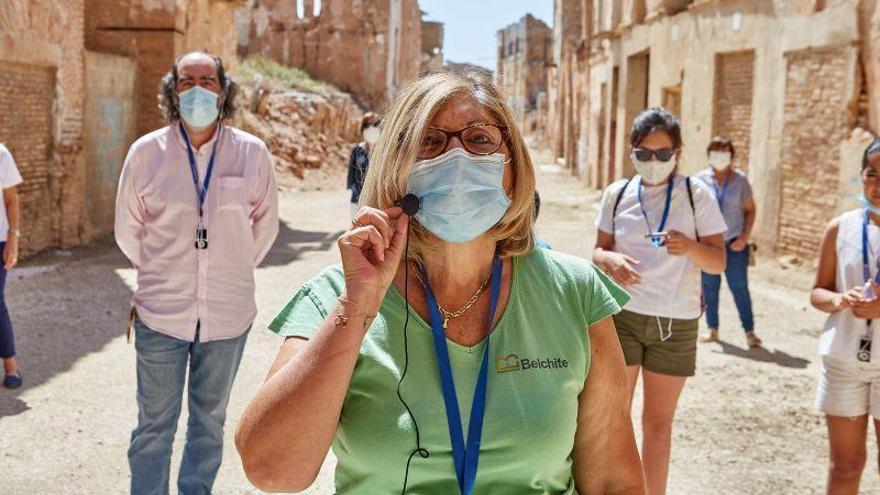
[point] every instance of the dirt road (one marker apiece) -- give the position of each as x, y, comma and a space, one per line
746, 423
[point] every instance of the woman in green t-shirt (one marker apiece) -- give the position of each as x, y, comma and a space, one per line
475, 363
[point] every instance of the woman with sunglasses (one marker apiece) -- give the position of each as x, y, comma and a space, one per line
656, 231
448, 355
846, 288
734, 195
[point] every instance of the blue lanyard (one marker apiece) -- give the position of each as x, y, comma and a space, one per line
866, 267
719, 194
656, 241
203, 190
464, 457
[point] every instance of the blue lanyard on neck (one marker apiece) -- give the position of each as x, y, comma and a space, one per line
719, 193
201, 191
656, 240
465, 457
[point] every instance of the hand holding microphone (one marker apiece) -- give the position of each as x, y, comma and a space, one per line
371, 252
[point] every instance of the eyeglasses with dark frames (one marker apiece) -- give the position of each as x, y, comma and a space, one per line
479, 139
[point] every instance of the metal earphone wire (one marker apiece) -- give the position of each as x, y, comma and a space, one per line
423, 453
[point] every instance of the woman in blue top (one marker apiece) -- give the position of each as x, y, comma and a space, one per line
734, 195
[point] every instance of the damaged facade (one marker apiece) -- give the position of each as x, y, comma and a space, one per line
367, 48
794, 83
77, 89
523, 54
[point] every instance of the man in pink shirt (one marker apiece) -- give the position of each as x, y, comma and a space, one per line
196, 212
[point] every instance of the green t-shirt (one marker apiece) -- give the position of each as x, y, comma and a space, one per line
539, 358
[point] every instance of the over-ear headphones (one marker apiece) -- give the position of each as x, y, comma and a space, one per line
410, 206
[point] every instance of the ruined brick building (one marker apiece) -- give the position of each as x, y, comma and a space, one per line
794, 83
524, 49
80, 79
365, 47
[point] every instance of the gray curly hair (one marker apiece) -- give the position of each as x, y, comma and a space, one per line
169, 103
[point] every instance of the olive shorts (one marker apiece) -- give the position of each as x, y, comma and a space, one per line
640, 339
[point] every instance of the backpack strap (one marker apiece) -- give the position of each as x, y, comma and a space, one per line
687, 181
617, 203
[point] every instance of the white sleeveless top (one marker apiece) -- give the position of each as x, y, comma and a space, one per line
842, 332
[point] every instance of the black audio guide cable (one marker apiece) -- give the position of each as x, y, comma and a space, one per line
423, 453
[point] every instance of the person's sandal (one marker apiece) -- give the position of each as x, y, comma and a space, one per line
13, 380
712, 336
753, 340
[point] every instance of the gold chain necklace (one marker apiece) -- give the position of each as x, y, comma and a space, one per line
451, 315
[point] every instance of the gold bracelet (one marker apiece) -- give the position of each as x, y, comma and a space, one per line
342, 321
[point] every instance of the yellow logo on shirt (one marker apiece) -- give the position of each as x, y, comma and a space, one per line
510, 362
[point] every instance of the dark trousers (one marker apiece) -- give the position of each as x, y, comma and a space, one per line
7, 342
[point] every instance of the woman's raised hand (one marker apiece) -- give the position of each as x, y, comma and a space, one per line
371, 252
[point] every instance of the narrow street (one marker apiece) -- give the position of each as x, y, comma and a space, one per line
745, 425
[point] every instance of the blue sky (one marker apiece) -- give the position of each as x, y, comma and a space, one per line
470, 25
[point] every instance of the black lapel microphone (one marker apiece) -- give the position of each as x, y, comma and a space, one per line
410, 206
409, 203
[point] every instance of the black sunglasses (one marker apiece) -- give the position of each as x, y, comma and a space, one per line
644, 154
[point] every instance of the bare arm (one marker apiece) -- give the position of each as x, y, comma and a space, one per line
619, 266
824, 295
750, 211
606, 460
288, 427
10, 252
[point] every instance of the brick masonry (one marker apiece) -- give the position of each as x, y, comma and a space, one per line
814, 129
734, 79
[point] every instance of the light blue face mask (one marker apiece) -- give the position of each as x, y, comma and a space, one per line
198, 106
461, 195
866, 203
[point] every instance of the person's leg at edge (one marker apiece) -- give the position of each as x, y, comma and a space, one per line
711, 288
212, 371
161, 371
737, 274
7, 339
847, 438
661, 399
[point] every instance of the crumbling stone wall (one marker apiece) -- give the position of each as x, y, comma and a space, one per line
725, 66
41, 106
524, 50
368, 48
153, 33
432, 47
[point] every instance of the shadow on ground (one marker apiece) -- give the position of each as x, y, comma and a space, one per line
291, 244
764, 355
70, 309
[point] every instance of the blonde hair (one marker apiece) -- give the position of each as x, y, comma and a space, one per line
394, 155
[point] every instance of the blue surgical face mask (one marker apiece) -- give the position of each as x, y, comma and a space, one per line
866, 203
198, 107
461, 195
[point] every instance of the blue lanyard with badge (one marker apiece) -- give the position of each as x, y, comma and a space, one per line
658, 238
864, 352
719, 193
201, 191
465, 456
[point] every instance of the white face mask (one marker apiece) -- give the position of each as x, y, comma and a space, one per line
719, 160
653, 171
371, 134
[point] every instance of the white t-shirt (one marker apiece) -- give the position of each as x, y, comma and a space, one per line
670, 285
9, 177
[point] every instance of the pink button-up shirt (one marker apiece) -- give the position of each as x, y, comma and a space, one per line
156, 221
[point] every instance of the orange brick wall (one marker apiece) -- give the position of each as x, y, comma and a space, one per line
734, 79
814, 128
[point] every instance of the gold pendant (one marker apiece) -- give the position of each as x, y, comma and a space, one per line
445, 323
